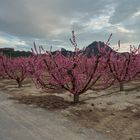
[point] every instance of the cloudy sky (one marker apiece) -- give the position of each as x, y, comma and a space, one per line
50, 22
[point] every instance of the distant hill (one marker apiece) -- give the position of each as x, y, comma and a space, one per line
91, 49
10, 52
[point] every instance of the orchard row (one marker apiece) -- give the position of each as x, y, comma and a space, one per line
75, 72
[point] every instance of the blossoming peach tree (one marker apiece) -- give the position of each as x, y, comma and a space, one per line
124, 67
14, 68
75, 73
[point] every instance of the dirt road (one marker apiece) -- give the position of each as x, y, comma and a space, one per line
22, 122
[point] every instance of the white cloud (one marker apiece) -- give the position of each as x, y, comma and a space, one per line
3, 41
98, 23
124, 47
137, 14
124, 30
12, 42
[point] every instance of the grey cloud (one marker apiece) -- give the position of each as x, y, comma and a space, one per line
135, 27
45, 20
15, 19
124, 9
38, 18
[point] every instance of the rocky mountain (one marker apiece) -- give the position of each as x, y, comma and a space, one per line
93, 48
90, 49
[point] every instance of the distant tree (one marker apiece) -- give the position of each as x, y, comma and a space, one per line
2, 72
135, 51
14, 68
123, 67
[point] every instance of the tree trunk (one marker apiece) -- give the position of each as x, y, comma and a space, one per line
121, 86
76, 98
19, 84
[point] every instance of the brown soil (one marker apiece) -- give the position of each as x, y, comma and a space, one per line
114, 113
50, 102
120, 125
